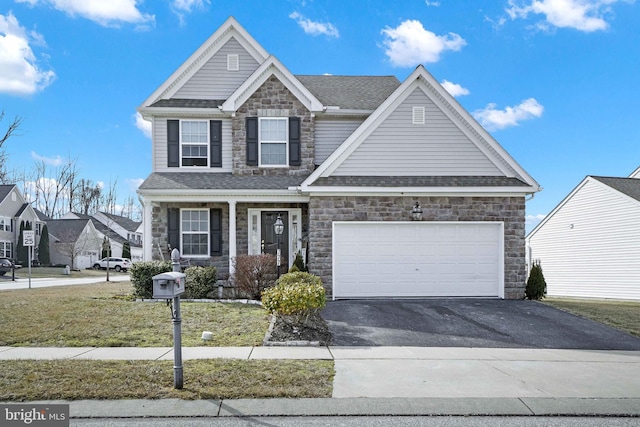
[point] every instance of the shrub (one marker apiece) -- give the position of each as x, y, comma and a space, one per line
536, 285
200, 281
142, 273
253, 273
298, 262
297, 295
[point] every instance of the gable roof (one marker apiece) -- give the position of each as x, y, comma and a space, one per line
629, 187
229, 29
67, 230
124, 222
475, 133
271, 67
5, 189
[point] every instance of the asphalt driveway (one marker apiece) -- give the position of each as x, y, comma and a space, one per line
467, 323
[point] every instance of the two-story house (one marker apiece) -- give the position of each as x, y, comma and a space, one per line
13, 211
390, 189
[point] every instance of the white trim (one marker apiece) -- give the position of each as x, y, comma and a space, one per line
207, 254
232, 235
229, 29
233, 62
271, 67
285, 142
206, 144
290, 213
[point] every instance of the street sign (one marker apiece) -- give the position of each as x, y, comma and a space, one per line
28, 237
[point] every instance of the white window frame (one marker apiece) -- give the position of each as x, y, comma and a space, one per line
198, 143
285, 142
294, 225
3, 249
207, 233
6, 223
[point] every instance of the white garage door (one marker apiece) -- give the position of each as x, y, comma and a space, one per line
418, 259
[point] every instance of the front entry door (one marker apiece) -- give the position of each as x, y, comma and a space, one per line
270, 240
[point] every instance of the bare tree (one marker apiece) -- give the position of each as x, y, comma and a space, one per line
86, 198
71, 245
11, 131
109, 199
52, 187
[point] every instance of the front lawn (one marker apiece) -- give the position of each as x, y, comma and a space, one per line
623, 315
103, 315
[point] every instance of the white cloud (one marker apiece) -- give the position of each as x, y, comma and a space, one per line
494, 119
531, 221
454, 89
410, 44
432, 3
583, 15
21, 74
53, 161
134, 183
315, 28
189, 5
106, 13
143, 125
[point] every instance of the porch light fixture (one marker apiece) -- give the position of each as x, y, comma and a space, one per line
416, 212
278, 228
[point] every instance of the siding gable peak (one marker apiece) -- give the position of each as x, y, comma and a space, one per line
422, 80
228, 30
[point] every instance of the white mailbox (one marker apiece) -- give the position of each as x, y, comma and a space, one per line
168, 285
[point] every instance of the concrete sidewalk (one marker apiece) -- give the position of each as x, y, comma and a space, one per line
400, 381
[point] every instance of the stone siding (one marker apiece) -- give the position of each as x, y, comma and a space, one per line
510, 210
273, 99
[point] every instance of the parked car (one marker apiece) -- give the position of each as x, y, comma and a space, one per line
6, 265
118, 264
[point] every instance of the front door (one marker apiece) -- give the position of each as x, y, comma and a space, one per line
270, 239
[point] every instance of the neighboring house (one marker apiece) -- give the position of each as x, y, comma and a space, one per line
74, 242
117, 229
13, 211
589, 245
238, 140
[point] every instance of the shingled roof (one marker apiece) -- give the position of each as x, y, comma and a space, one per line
350, 92
628, 186
217, 181
418, 181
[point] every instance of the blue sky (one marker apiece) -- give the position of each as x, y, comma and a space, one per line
554, 81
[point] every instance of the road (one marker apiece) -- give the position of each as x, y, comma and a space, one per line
23, 282
432, 421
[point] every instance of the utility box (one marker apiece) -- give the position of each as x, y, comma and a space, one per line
168, 285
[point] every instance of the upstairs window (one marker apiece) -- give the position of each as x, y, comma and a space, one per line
194, 143
273, 141
6, 249
5, 224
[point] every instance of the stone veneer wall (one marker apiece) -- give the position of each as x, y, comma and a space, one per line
160, 235
511, 210
273, 99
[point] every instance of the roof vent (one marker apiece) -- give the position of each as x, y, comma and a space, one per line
417, 115
233, 62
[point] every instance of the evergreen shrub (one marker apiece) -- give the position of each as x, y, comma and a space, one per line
297, 295
142, 273
536, 285
200, 281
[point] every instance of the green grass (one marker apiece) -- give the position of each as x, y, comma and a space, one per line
623, 315
29, 380
103, 315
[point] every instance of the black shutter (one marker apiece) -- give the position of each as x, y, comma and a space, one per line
215, 131
173, 143
252, 141
295, 149
174, 228
215, 223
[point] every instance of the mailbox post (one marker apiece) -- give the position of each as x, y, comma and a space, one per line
169, 286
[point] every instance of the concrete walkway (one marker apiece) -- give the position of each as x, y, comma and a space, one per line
400, 381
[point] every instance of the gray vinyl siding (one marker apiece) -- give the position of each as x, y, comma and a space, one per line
213, 81
590, 247
399, 148
160, 149
330, 134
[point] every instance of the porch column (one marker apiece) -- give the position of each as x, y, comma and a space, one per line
147, 238
232, 234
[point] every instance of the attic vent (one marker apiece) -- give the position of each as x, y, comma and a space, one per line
233, 62
417, 115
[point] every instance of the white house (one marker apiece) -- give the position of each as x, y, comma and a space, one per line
589, 245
